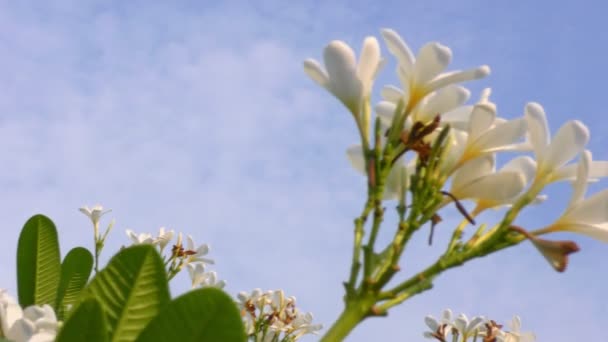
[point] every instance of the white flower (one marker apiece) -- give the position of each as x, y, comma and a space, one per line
10, 312
164, 237
588, 216
515, 335
34, 324
478, 180
140, 239
423, 74
439, 327
436, 103
567, 143
94, 213
350, 82
201, 278
468, 329
199, 252
256, 299
488, 134
302, 325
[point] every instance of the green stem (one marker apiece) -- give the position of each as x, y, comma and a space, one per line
353, 314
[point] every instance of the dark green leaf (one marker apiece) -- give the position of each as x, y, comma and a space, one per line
132, 289
38, 262
204, 315
75, 271
86, 323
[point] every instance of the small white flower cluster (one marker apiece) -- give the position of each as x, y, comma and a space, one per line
191, 256
461, 329
270, 317
34, 323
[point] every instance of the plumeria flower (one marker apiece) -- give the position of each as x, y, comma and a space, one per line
199, 252
468, 328
94, 213
588, 216
442, 101
35, 323
424, 74
486, 133
201, 278
551, 155
477, 180
10, 312
515, 335
140, 239
302, 325
350, 82
439, 328
164, 237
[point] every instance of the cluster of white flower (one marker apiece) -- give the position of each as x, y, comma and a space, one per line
191, 256
411, 116
271, 317
32, 324
461, 329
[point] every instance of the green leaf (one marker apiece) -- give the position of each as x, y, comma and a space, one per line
203, 315
38, 262
86, 323
132, 290
75, 271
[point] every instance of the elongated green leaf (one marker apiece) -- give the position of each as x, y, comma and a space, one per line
75, 272
86, 323
204, 315
38, 262
132, 289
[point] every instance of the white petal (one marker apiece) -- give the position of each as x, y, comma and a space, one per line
356, 158
368, 62
22, 330
597, 169
386, 111
432, 59
458, 118
592, 210
404, 78
523, 164
343, 81
569, 141
582, 176
397, 181
432, 323
443, 101
391, 93
516, 323
457, 77
472, 170
502, 137
455, 147
482, 118
446, 317
498, 187
595, 231
43, 336
538, 128
399, 49
314, 70
461, 323
475, 323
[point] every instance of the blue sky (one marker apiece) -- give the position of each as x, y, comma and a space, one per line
199, 118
